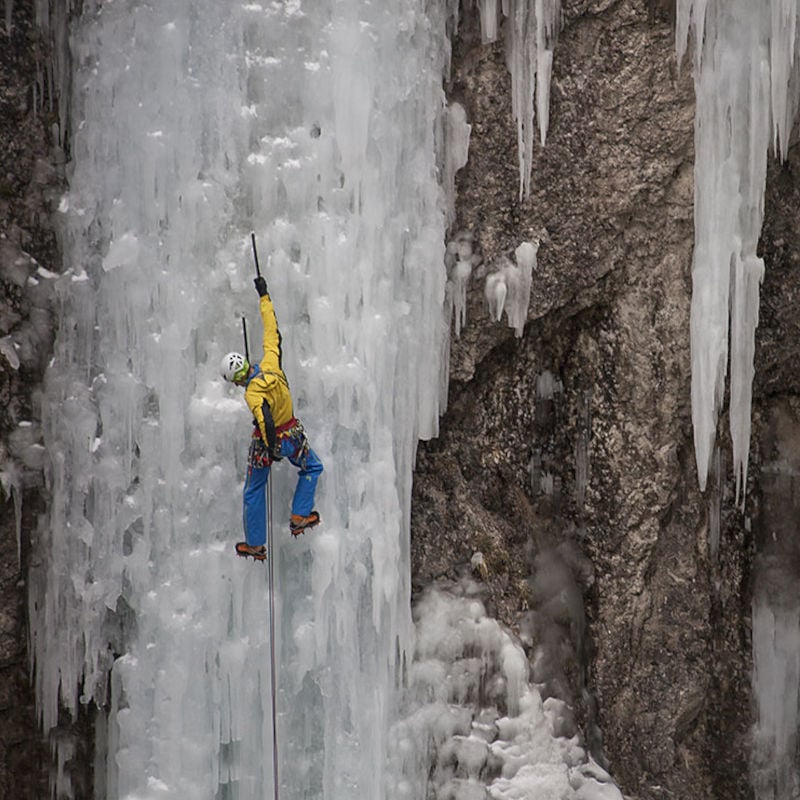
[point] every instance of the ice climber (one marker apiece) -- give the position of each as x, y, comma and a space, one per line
277, 434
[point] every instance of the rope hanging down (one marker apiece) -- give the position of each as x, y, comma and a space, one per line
273, 673
271, 568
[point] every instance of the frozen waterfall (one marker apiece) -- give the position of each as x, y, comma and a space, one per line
194, 122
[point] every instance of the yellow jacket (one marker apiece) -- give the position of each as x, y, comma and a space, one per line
269, 384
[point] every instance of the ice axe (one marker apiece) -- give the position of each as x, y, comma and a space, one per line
258, 272
244, 331
255, 253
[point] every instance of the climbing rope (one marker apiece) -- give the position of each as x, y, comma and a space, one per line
273, 671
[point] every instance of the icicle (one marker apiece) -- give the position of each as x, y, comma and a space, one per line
530, 35
547, 386
460, 260
53, 20
525, 256
744, 319
521, 58
488, 13
548, 20
495, 292
732, 86
509, 287
531, 28
785, 83
456, 154
690, 14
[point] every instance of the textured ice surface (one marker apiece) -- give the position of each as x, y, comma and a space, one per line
192, 124
746, 83
473, 718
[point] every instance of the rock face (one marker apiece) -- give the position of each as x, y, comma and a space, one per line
566, 458
28, 178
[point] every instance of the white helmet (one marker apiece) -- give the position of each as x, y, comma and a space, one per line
234, 367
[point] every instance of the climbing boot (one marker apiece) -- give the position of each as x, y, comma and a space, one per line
298, 524
245, 550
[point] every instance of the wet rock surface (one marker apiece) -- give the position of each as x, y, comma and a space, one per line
28, 183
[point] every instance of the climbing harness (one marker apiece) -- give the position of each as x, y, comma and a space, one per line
263, 455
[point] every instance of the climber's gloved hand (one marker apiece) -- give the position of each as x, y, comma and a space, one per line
261, 285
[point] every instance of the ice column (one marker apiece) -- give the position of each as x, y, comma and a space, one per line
193, 123
488, 13
745, 74
776, 612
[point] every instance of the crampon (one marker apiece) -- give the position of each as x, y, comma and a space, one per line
299, 524
245, 550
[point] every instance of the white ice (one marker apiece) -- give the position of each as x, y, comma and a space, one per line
746, 83
336, 170
456, 152
531, 29
508, 287
473, 717
460, 260
776, 681
747, 76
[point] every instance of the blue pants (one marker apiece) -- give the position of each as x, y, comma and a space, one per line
298, 452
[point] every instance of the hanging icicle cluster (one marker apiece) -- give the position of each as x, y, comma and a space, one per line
746, 87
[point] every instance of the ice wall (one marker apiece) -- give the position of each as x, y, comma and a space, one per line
194, 122
746, 83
